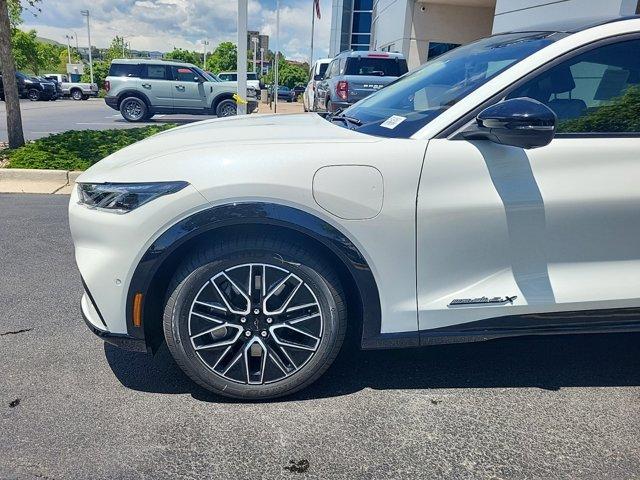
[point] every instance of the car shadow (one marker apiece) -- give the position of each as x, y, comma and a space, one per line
548, 363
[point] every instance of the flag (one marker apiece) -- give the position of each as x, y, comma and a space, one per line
316, 5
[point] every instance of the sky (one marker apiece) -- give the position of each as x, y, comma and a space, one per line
165, 24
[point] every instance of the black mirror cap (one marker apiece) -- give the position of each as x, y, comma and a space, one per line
518, 122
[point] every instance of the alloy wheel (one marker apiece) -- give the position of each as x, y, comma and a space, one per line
133, 110
255, 323
228, 110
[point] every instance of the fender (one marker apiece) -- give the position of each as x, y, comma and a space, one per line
220, 97
266, 214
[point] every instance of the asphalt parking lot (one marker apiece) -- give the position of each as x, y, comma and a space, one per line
44, 118
73, 408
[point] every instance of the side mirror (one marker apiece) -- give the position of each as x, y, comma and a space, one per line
198, 79
518, 122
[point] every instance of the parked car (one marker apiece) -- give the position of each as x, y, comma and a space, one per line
354, 75
56, 85
75, 90
33, 88
491, 193
141, 88
316, 73
19, 82
298, 90
285, 93
252, 79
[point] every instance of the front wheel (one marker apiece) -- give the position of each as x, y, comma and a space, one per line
33, 95
133, 109
255, 318
227, 108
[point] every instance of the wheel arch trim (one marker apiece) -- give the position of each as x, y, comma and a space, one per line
272, 214
133, 93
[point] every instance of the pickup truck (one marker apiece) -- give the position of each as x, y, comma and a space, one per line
75, 90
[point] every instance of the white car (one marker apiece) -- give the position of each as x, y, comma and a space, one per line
316, 74
252, 79
491, 193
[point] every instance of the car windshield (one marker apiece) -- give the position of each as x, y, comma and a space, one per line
420, 96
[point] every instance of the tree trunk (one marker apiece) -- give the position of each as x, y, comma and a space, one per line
14, 119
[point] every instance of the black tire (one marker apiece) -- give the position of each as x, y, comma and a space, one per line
76, 94
148, 116
133, 109
194, 276
85, 97
226, 108
33, 95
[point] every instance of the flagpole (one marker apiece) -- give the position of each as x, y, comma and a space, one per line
313, 26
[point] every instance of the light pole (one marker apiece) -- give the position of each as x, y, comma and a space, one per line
205, 43
261, 61
255, 52
242, 56
276, 66
85, 13
68, 37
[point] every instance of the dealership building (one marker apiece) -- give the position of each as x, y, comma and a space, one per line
423, 29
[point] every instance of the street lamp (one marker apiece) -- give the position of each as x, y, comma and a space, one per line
242, 56
68, 37
205, 43
255, 41
85, 13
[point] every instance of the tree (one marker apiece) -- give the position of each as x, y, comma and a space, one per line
186, 56
10, 11
115, 50
100, 72
289, 74
224, 57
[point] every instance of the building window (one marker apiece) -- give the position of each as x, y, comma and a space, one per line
363, 5
438, 48
361, 25
361, 22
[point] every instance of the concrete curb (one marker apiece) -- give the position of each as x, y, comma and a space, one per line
22, 180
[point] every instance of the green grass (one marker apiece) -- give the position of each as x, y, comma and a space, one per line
76, 149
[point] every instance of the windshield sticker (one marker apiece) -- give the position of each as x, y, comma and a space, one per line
393, 121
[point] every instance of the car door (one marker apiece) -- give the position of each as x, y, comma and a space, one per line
507, 231
188, 89
157, 85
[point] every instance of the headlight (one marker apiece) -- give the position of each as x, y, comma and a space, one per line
124, 197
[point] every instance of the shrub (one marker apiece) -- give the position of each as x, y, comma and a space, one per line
76, 149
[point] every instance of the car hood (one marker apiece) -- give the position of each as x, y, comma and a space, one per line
264, 131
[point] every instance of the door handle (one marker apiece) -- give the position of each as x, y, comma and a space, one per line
146, 85
180, 87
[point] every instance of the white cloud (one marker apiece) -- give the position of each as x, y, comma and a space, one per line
165, 24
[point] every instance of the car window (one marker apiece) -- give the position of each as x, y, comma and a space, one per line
595, 92
124, 70
184, 74
155, 72
408, 104
323, 69
383, 67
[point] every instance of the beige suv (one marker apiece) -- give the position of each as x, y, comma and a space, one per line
140, 89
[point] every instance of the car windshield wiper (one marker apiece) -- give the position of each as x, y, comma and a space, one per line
346, 119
